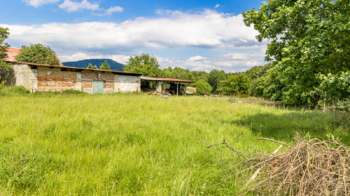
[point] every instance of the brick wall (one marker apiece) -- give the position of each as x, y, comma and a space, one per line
87, 79
56, 80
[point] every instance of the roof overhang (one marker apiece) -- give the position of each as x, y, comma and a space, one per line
76, 68
165, 80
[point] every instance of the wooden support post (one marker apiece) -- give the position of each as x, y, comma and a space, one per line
177, 89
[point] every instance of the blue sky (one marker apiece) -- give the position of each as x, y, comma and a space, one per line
192, 34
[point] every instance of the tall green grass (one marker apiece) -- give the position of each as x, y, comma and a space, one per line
129, 144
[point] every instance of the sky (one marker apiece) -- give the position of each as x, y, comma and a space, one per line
199, 35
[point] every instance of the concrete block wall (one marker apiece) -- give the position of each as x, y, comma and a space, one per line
128, 83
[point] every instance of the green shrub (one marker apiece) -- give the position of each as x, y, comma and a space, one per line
73, 92
202, 87
239, 83
13, 90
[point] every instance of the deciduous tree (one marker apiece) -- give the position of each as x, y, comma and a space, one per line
38, 53
238, 83
144, 63
4, 33
309, 45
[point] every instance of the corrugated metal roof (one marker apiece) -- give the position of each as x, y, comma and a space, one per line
79, 68
166, 79
148, 78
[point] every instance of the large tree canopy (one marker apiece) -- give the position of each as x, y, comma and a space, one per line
238, 83
4, 33
144, 63
309, 46
38, 53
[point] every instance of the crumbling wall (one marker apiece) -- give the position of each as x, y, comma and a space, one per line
25, 76
56, 80
87, 79
128, 83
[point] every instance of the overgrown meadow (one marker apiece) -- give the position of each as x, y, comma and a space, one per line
130, 144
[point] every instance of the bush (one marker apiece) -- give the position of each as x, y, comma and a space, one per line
239, 83
13, 90
257, 88
73, 92
202, 87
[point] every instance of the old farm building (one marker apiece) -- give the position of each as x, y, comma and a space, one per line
41, 77
57, 78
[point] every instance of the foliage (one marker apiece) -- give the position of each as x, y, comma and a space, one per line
239, 83
202, 87
308, 41
84, 63
75, 145
4, 33
105, 66
144, 63
5, 65
215, 78
90, 66
257, 87
258, 71
38, 53
13, 90
73, 92
177, 73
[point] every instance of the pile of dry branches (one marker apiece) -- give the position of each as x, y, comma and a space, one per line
310, 167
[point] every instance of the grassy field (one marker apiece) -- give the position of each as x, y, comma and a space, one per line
129, 144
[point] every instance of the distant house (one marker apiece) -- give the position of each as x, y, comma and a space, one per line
41, 77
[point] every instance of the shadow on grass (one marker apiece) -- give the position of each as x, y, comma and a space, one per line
285, 125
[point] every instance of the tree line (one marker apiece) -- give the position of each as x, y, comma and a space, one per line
308, 55
214, 82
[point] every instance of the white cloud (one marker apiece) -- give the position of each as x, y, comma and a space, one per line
217, 5
71, 6
208, 30
37, 3
196, 58
114, 9
110, 10
231, 62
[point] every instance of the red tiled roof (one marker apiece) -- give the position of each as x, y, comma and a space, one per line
11, 53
